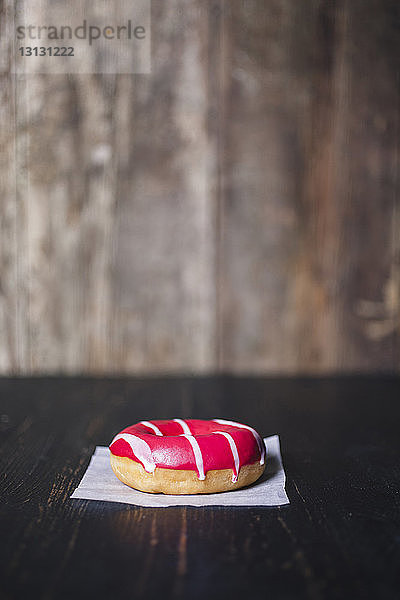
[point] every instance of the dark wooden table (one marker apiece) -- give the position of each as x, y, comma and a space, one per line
339, 537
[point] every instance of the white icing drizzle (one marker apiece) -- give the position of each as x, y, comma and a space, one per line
198, 457
152, 426
140, 449
258, 439
234, 453
184, 425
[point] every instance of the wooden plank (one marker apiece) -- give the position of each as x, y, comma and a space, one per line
309, 245
9, 351
163, 278
348, 282
370, 290
266, 56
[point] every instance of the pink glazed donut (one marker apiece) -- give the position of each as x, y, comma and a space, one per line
188, 457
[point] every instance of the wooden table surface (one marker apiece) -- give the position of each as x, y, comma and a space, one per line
339, 537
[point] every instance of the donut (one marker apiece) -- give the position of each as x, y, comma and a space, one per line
187, 457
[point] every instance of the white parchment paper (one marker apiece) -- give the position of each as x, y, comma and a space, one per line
100, 483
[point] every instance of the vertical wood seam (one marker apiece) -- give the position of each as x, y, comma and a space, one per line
221, 188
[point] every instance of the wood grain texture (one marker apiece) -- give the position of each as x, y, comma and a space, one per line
310, 236
236, 210
112, 232
163, 275
338, 538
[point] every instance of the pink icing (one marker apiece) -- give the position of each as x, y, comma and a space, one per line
190, 445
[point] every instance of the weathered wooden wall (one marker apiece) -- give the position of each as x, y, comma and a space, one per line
237, 209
